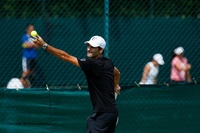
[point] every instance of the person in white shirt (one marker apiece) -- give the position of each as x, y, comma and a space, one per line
151, 70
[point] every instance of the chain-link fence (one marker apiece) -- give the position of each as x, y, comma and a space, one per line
134, 32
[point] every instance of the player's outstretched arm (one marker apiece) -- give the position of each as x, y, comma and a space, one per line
56, 52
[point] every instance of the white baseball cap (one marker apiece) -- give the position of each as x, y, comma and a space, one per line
159, 58
178, 50
96, 41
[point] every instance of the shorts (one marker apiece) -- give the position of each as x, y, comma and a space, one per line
28, 64
101, 123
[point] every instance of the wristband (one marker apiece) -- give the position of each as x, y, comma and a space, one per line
45, 46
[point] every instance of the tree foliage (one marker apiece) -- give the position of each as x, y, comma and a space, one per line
91, 8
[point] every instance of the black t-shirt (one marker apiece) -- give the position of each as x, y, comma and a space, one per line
100, 77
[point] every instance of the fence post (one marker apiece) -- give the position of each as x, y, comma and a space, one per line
106, 26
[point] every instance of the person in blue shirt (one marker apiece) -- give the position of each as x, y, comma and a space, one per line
29, 54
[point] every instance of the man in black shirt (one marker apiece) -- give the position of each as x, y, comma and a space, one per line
102, 77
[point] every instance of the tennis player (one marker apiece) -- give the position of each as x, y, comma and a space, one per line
102, 77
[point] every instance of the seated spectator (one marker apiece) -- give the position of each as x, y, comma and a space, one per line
16, 83
180, 68
151, 70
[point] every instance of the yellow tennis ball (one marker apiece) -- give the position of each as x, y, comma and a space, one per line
34, 33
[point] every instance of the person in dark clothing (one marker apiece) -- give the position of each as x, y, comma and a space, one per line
102, 78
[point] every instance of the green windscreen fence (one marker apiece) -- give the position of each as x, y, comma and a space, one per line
142, 109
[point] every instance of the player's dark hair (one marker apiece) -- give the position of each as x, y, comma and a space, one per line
101, 48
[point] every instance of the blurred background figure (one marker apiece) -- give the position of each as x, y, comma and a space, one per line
151, 70
16, 83
180, 68
29, 54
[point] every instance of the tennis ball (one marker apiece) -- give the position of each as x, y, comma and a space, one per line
34, 33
